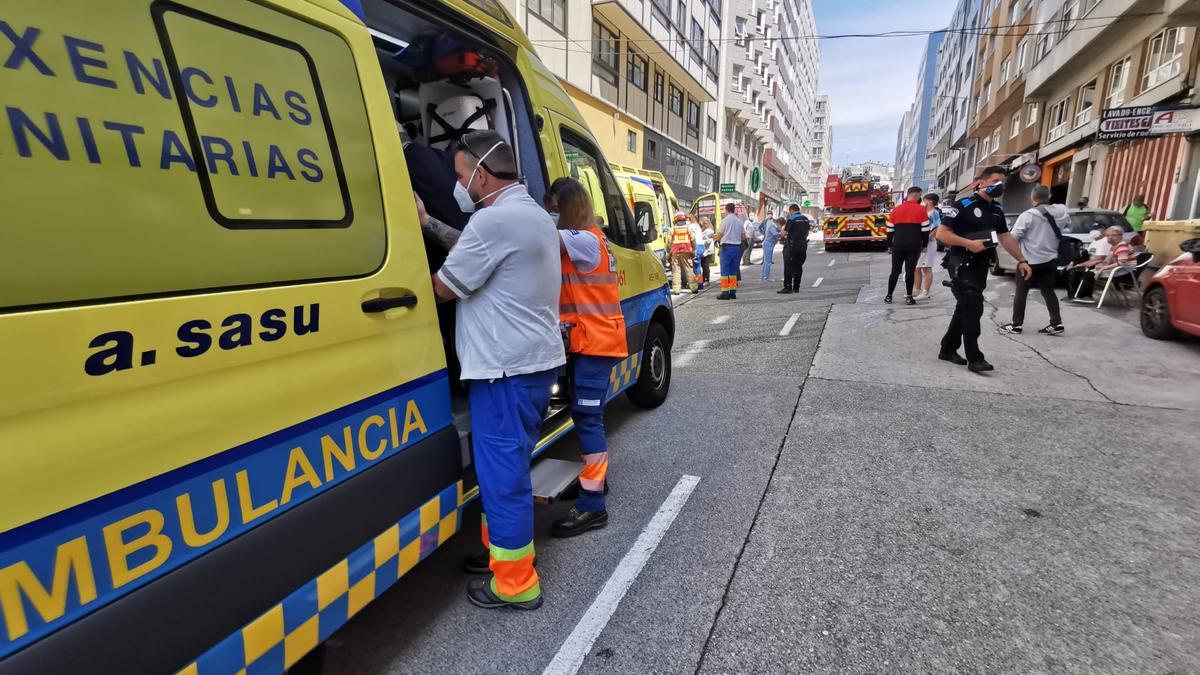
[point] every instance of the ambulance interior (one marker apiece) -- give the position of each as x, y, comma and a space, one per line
444, 84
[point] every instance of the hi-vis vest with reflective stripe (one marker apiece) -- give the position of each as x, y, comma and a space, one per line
681, 238
591, 301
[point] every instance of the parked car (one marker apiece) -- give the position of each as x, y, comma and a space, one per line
1171, 302
757, 233
1082, 221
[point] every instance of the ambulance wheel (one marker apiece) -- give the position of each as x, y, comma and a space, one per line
654, 380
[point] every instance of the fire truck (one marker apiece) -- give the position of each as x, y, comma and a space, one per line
857, 208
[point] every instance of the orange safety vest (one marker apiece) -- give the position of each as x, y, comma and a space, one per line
681, 239
591, 302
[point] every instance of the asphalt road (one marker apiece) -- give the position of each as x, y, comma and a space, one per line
861, 506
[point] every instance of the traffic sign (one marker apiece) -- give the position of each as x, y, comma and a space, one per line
726, 188
807, 202
755, 179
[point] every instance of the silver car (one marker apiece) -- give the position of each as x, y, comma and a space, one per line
1082, 223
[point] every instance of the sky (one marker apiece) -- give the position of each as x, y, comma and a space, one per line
871, 82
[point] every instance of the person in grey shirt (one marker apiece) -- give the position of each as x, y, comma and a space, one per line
506, 274
1038, 230
732, 235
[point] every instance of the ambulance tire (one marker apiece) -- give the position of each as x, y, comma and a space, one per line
654, 380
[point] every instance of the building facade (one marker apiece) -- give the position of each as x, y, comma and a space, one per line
1100, 55
912, 141
954, 76
645, 75
770, 119
820, 151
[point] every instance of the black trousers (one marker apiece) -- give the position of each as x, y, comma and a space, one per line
906, 256
793, 265
1044, 276
967, 286
1082, 278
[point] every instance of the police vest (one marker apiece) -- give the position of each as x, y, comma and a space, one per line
681, 239
591, 302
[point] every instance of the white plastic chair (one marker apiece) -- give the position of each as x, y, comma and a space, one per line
1131, 271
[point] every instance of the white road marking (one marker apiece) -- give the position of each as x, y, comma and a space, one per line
831, 262
721, 319
787, 327
688, 354
820, 251
818, 282
577, 645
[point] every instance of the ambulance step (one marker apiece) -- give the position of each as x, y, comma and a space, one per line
552, 477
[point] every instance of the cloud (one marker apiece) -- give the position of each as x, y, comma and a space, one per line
871, 82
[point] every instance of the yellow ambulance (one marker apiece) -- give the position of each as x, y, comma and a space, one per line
226, 421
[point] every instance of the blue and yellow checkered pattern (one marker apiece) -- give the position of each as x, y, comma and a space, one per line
277, 639
624, 374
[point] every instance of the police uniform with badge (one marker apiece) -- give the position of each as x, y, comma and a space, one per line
972, 227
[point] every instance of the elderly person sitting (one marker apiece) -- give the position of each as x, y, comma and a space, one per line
1082, 277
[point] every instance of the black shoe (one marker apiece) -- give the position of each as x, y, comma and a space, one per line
887, 299
733, 295
786, 290
979, 366
952, 357
479, 592
479, 563
908, 300
1011, 328
1052, 329
723, 296
577, 522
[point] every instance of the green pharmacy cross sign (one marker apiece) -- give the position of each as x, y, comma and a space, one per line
755, 179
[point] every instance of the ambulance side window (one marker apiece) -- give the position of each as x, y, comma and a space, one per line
587, 167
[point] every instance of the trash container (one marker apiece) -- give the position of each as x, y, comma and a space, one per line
1163, 238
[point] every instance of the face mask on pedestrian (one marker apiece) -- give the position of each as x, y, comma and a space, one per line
995, 190
1097, 235
462, 194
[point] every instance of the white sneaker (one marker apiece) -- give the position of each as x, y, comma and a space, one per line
921, 296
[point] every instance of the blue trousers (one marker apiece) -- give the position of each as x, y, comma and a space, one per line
768, 254
506, 421
731, 261
590, 377
696, 266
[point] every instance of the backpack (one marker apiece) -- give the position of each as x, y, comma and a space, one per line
1069, 248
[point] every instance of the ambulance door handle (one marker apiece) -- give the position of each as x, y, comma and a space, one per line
376, 305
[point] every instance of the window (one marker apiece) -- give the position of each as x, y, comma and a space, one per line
662, 11
675, 103
1005, 69
553, 12
605, 49
708, 178
1042, 48
1016, 125
737, 79
1086, 101
996, 140
1118, 80
693, 118
1070, 14
712, 129
587, 167
631, 141
652, 149
1014, 12
658, 87
714, 58
1164, 57
679, 167
681, 15
1057, 120
1031, 114
739, 31
697, 42
635, 70
1022, 54
986, 148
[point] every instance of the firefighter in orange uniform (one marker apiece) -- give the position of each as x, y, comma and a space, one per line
683, 251
591, 304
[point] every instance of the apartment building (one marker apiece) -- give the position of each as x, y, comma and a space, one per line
1096, 57
913, 137
820, 152
770, 102
946, 156
645, 74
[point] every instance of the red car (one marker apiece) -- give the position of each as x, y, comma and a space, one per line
1171, 303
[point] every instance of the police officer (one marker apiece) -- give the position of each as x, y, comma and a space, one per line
968, 228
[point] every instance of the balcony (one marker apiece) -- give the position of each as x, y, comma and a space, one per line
633, 19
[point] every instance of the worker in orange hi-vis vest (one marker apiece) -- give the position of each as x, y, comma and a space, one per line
590, 303
683, 251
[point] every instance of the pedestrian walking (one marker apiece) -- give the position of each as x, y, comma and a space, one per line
795, 248
701, 248
731, 236
590, 307
505, 273
710, 249
1137, 212
1039, 230
907, 234
772, 228
683, 249
928, 254
968, 227
749, 247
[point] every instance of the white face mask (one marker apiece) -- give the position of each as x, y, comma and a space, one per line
465, 203
1097, 235
463, 194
